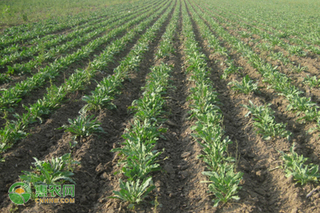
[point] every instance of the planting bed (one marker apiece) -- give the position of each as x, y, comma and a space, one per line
197, 101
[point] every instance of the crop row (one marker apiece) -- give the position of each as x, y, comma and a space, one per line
278, 81
12, 96
284, 38
264, 120
81, 39
223, 180
294, 29
140, 157
40, 29
14, 130
77, 37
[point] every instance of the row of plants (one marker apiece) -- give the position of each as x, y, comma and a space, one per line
57, 171
139, 156
15, 129
275, 55
138, 153
263, 116
208, 131
41, 29
63, 49
278, 81
291, 42
294, 165
109, 87
12, 96
50, 49
302, 29
216, 45
268, 42
264, 121
92, 16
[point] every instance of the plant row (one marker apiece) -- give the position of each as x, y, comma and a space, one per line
80, 39
208, 131
264, 121
278, 81
15, 129
40, 29
300, 30
291, 41
138, 149
77, 37
12, 96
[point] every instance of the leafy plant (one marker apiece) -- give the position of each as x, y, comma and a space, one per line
224, 183
139, 149
299, 68
246, 86
54, 172
231, 68
103, 94
4, 78
300, 104
311, 81
294, 165
83, 125
265, 122
134, 192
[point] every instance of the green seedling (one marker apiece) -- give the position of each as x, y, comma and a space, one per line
311, 81
57, 171
246, 86
295, 166
83, 126
134, 192
265, 122
224, 183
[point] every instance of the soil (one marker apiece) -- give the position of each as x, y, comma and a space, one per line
264, 187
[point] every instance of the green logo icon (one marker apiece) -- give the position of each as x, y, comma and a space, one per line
19, 193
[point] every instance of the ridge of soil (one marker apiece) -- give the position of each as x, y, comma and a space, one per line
93, 152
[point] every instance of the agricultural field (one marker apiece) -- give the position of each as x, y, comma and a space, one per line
160, 106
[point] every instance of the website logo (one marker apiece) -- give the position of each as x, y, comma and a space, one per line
19, 193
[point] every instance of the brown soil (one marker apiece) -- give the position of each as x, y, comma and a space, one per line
178, 185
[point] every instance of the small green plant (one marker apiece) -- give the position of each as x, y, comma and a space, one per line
311, 81
224, 184
54, 172
4, 78
299, 68
231, 68
246, 86
294, 165
265, 122
134, 192
83, 125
